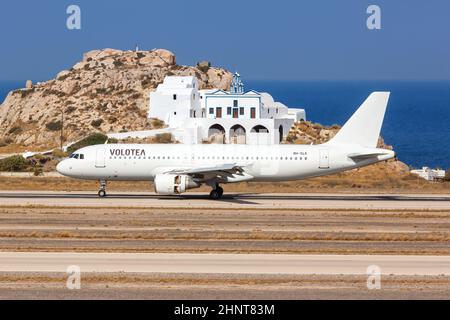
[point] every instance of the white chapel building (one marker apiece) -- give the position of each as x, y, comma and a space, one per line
217, 116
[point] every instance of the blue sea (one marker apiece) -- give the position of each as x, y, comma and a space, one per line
417, 121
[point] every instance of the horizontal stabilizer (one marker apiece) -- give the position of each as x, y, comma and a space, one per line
361, 156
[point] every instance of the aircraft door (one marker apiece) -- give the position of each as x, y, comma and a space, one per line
100, 159
324, 159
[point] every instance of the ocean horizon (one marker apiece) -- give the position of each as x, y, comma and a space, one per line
417, 122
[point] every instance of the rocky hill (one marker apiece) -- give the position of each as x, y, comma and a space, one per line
107, 91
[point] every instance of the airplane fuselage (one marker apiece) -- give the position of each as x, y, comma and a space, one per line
131, 162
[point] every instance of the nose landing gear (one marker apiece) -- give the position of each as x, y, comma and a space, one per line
102, 191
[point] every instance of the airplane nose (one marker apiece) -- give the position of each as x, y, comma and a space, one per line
62, 168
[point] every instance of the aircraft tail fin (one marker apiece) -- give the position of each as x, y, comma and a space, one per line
364, 127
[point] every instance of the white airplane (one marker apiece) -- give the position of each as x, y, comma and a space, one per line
176, 168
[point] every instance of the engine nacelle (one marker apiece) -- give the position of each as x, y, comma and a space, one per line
172, 184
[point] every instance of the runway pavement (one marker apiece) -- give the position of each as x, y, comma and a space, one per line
238, 200
223, 263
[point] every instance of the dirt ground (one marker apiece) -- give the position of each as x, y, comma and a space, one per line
211, 287
225, 231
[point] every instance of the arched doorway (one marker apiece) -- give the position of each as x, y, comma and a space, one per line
216, 134
259, 135
260, 129
280, 131
238, 134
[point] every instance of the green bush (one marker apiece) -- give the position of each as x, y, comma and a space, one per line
38, 171
118, 63
15, 130
163, 138
97, 123
70, 109
13, 163
157, 124
57, 153
54, 126
93, 139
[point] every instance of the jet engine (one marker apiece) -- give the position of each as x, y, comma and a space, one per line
173, 184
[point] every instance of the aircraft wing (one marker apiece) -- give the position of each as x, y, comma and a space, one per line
229, 168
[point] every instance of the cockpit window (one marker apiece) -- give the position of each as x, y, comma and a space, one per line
77, 156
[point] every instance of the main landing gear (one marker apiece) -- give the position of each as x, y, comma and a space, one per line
216, 193
102, 191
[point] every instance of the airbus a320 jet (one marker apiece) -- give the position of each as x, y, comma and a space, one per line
176, 168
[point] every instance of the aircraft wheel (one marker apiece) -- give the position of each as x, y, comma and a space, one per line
220, 190
102, 193
214, 195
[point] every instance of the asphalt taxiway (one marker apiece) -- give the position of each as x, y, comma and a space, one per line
235, 201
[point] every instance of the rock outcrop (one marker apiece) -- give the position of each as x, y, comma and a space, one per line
108, 91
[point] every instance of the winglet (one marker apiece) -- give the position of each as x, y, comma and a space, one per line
364, 127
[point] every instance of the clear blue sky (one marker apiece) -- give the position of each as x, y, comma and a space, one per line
279, 39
